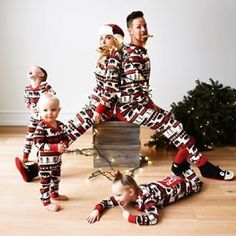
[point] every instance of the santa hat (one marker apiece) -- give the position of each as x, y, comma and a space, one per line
114, 30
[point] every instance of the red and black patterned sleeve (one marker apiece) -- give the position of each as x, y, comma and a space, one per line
105, 204
41, 141
39, 137
45, 87
26, 97
65, 137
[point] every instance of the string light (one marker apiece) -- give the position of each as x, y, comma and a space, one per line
143, 160
109, 175
84, 151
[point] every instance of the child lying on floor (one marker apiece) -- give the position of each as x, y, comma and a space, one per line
148, 198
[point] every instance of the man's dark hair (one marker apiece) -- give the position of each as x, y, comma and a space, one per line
132, 16
45, 73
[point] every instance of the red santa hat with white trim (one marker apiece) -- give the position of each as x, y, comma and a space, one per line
114, 30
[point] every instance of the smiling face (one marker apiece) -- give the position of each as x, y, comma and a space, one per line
49, 110
123, 194
138, 31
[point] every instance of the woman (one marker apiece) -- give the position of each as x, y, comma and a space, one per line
104, 96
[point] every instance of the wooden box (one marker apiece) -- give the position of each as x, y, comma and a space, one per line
116, 144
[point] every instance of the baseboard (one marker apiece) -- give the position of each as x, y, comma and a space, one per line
22, 118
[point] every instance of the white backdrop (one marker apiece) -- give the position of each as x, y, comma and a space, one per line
193, 39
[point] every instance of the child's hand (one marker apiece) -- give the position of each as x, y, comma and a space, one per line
34, 109
28, 106
93, 217
97, 117
125, 215
61, 147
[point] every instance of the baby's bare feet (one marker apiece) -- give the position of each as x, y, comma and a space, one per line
53, 207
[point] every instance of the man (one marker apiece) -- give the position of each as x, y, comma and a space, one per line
136, 106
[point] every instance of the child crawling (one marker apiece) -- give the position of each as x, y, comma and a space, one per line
148, 198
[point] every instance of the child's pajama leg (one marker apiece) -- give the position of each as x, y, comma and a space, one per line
45, 181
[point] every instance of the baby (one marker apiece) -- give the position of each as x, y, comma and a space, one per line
51, 140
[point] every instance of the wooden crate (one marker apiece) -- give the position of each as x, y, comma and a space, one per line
116, 143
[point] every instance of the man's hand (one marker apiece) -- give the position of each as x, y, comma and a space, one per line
93, 217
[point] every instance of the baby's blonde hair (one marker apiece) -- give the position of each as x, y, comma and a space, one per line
45, 97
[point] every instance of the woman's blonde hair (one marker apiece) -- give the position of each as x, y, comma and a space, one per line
106, 52
116, 33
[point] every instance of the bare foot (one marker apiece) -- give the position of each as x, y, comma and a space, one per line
53, 207
61, 198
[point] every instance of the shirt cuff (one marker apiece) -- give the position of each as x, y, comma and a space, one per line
132, 219
100, 108
54, 147
99, 208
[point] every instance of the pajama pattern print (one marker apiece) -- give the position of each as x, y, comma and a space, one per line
103, 98
46, 138
154, 196
31, 97
136, 106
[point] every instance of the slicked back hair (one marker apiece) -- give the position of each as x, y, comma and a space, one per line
132, 16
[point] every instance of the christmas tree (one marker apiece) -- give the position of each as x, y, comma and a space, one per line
208, 113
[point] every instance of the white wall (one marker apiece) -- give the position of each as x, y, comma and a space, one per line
194, 39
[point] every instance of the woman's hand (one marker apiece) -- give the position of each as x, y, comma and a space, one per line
97, 117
